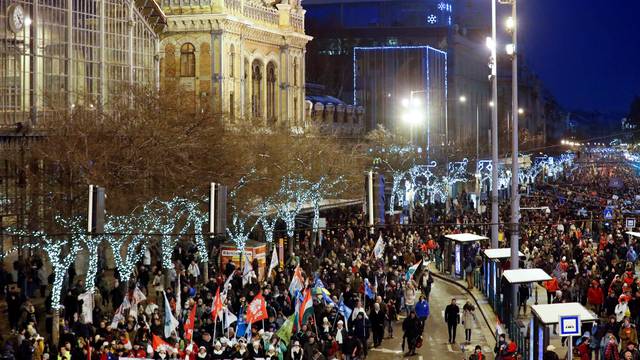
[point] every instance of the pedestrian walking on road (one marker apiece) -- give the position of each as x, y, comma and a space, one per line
468, 319
452, 318
411, 328
422, 311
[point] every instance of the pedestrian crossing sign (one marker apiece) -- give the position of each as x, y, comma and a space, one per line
608, 213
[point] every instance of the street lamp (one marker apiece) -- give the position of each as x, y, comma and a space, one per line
412, 115
493, 63
463, 99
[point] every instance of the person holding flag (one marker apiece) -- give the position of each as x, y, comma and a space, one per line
378, 250
247, 274
304, 310
297, 282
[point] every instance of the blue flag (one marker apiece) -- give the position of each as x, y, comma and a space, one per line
241, 325
368, 291
344, 311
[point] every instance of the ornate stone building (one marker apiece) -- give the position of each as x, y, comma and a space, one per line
244, 59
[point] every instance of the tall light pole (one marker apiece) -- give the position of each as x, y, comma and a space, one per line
512, 25
495, 216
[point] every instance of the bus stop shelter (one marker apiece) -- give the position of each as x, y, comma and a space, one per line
545, 316
492, 273
517, 277
454, 251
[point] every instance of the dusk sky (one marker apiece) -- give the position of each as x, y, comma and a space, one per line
587, 52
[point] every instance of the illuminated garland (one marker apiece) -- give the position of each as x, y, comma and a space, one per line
92, 243
293, 196
238, 232
268, 223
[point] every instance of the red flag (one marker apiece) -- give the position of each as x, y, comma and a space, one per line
217, 305
190, 323
257, 309
159, 344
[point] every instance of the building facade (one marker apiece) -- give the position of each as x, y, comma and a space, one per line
72, 52
440, 25
243, 59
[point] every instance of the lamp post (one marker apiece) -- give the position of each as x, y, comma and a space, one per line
495, 216
512, 50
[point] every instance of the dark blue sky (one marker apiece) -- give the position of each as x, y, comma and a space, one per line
587, 52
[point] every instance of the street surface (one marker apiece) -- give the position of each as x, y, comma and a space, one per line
436, 345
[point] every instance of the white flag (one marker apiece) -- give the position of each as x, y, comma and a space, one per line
226, 286
274, 262
229, 318
170, 322
247, 273
119, 315
378, 250
87, 307
178, 300
137, 297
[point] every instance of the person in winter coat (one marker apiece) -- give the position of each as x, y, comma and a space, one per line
627, 334
551, 286
468, 317
622, 309
411, 329
452, 318
595, 297
377, 318
361, 327
422, 312
583, 349
523, 296
410, 298
477, 354
611, 349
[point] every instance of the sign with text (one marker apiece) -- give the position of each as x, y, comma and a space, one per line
569, 325
630, 223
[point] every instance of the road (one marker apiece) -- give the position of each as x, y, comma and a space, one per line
436, 344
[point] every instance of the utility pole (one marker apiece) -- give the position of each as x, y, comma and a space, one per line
495, 217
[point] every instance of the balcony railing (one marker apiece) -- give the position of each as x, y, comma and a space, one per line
260, 14
297, 22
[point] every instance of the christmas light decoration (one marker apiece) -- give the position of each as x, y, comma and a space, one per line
76, 225
397, 177
238, 232
117, 227
268, 223
457, 172
293, 195
60, 259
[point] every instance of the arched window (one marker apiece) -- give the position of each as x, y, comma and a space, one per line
188, 60
232, 61
256, 87
271, 91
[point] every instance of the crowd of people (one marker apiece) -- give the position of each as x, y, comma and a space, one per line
358, 293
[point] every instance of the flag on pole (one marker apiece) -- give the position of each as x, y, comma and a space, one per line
137, 297
119, 315
217, 305
257, 309
297, 282
368, 292
87, 307
226, 286
159, 344
247, 273
326, 295
229, 318
378, 250
284, 333
178, 300
170, 322
344, 311
190, 323
412, 270
303, 311
274, 261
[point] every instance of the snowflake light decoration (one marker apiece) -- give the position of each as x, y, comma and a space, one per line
442, 6
432, 19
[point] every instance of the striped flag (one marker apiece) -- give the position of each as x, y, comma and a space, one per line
303, 311
170, 322
297, 282
412, 270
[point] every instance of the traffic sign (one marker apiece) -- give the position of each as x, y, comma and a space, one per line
569, 325
608, 213
631, 223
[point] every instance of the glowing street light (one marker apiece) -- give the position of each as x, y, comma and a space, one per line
520, 111
510, 49
510, 23
463, 99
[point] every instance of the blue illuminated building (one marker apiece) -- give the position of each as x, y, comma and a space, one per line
391, 42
